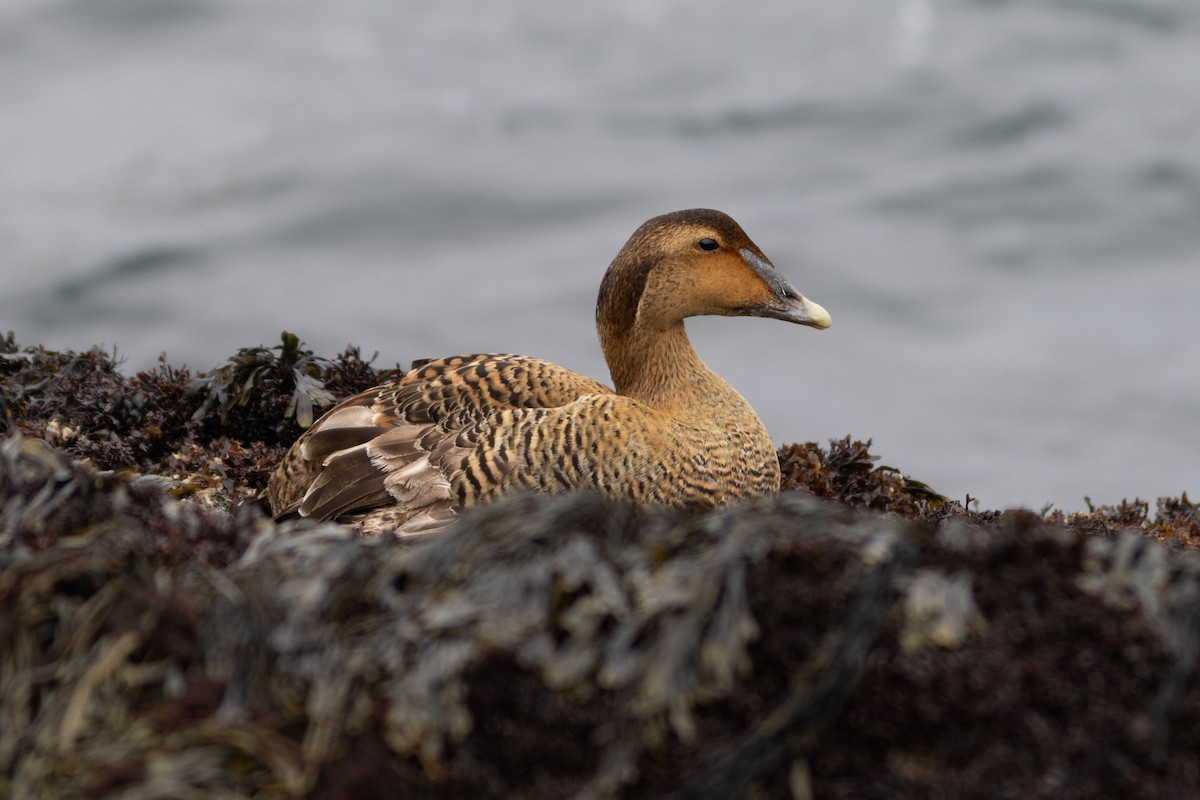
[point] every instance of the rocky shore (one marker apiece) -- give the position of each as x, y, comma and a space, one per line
858, 636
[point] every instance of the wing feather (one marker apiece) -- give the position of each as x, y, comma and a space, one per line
397, 453
347, 481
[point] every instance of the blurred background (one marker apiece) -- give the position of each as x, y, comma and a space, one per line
998, 201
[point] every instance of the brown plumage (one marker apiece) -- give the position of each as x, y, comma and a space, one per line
405, 456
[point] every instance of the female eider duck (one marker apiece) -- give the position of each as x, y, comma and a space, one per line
452, 432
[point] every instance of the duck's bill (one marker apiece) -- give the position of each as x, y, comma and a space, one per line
800, 310
788, 304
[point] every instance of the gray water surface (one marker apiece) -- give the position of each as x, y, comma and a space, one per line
998, 202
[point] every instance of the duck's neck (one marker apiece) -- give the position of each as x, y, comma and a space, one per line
661, 369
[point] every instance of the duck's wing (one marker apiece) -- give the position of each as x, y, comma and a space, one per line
398, 446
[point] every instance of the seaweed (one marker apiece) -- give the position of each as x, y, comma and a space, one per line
846, 472
1176, 520
565, 646
219, 432
51, 500
858, 636
257, 373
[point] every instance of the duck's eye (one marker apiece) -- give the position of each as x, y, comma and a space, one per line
708, 244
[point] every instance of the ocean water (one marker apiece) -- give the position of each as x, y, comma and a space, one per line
998, 201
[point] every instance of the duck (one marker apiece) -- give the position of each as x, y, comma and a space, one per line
408, 456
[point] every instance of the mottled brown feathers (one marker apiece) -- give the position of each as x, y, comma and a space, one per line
456, 431
399, 441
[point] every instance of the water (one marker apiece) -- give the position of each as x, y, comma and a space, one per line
998, 202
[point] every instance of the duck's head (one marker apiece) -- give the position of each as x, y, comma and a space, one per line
690, 263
